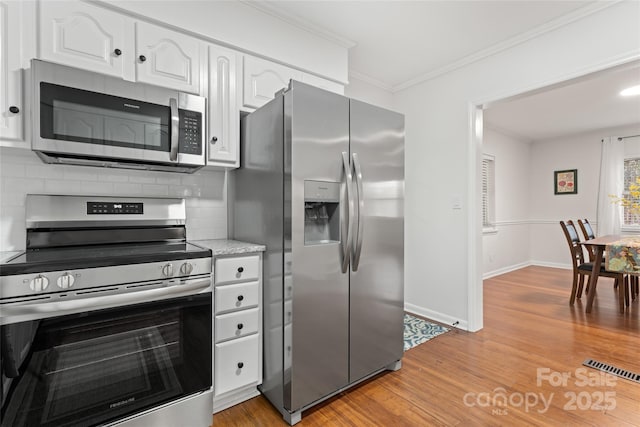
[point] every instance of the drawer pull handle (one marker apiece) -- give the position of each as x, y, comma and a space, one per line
240, 365
240, 269
240, 326
240, 297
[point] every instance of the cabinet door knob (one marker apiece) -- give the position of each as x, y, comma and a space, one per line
14, 109
117, 52
240, 365
142, 58
240, 326
214, 139
240, 269
240, 297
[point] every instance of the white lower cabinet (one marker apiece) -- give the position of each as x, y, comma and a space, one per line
237, 366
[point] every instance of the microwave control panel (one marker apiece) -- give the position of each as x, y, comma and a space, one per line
190, 136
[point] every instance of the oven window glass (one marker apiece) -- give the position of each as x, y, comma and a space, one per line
72, 114
84, 370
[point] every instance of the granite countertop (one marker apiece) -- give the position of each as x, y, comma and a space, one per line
229, 247
7, 255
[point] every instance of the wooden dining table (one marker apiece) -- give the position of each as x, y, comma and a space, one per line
598, 245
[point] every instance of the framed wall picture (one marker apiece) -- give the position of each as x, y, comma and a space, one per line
565, 182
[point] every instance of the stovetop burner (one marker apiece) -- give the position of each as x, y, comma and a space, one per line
53, 259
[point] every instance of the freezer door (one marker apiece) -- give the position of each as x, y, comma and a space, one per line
316, 333
377, 278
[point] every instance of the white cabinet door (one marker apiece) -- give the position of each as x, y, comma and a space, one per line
224, 115
167, 58
237, 363
262, 79
12, 111
84, 36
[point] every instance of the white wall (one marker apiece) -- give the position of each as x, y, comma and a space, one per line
22, 172
367, 92
582, 152
443, 265
508, 247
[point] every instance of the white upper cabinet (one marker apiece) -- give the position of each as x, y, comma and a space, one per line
85, 36
12, 111
167, 58
323, 83
224, 113
262, 79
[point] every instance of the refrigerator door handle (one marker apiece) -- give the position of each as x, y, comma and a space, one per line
346, 241
359, 228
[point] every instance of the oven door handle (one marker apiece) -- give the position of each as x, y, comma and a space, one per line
105, 301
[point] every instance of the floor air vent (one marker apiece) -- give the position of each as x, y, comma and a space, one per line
622, 373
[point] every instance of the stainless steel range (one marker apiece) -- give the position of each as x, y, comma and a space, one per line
106, 317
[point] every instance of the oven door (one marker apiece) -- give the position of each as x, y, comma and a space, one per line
89, 115
97, 367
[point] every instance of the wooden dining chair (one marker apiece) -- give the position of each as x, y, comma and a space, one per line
582, 269
587, 232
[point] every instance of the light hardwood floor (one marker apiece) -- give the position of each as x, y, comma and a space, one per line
453, 379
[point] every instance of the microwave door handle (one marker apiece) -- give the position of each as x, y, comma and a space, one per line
175, 129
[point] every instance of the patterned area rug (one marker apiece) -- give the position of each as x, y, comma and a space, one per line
417, 331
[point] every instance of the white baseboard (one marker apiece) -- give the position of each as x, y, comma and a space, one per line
234, 397
552, 264
438, 317
504, 270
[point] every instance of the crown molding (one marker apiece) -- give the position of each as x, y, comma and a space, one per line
356, 75
276, 11
507, 44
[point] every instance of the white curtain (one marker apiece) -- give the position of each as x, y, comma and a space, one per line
609, 215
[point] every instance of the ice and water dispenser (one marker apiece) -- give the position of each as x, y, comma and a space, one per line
321, 212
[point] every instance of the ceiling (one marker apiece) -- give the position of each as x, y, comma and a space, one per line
395, 44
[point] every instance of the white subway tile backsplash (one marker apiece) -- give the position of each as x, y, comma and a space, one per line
114, 176
44, 171
28, 185
141, 178
22, 172
155, 190
79, 173
97, 188
14, 170
60, 186
127, 189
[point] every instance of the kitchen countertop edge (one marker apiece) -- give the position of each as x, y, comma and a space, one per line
229, 247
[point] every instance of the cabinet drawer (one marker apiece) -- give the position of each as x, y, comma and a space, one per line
236, 297
236, 269
237, 324
236, 363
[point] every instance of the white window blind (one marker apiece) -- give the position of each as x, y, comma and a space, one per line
631, 172
488, 191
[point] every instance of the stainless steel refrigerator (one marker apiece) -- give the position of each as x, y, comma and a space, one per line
321, 184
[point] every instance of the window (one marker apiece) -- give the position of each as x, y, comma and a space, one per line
488, 193
631, 172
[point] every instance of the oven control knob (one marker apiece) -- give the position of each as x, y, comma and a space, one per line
39, 283
167, 270
186, 268
65, 281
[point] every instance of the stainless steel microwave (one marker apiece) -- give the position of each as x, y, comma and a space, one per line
86, 118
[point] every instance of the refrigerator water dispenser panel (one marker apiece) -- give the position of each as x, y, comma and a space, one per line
321, 212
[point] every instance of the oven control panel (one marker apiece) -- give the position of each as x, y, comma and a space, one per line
114, 208
73, 284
